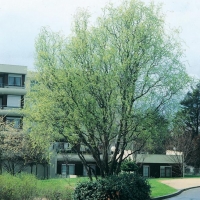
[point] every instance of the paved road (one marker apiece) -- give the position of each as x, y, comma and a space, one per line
192, 194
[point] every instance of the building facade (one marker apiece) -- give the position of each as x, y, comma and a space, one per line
160, 166
12, 91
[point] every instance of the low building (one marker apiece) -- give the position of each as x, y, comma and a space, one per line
159, 166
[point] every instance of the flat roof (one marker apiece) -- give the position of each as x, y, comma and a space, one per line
158, 158
15, 69
74, 157
153, 158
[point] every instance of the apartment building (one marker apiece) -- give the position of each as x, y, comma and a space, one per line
12, 91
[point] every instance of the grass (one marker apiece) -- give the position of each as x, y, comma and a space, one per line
160, 189
61, 182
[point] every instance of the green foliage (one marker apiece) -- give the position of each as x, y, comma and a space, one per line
129, 166
191, 110
12, 148
101, 85
26, 187
56, 193
22, 187
124, 186
185, 130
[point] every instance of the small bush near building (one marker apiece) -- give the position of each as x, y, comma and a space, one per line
121, 187
129, 166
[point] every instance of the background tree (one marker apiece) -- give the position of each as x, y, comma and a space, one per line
191, 110
12, 146
185, 130
18, 150
100, 86
36, 153
187, 126
180, 143
159, 133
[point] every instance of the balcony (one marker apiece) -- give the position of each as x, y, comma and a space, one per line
10, 111
16, 89
15, 85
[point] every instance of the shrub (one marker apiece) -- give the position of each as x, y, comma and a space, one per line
124, 186
128, 166
21, 187
55, 193
8, 187
25, 187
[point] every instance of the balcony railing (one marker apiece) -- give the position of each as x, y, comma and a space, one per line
64, 147
3, 85
5, 107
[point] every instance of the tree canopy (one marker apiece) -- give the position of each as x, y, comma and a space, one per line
18, 149
101, 86
191, 110
186, 124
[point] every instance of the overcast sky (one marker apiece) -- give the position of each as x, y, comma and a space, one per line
21, 21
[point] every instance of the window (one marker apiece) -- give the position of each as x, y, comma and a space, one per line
14, 101
162, 171
64, 147
61, 145
63, 170
145, 170
70, 169
67, 146
14, 121
93, 170
165, 171
67, 169
1, 103
14, 80
1, 81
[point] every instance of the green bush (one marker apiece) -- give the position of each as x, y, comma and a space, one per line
21, 187
121, 187
128, 166
55, 193
25, 187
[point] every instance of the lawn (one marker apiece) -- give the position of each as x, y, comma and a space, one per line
157, 188
61, 182
160, 189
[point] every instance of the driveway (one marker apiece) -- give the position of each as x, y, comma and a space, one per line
179, 184
182, 183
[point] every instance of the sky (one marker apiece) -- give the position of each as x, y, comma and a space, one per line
22, 20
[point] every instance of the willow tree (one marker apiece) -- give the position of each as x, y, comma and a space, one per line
100, 86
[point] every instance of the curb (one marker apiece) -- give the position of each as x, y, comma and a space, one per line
174, 194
